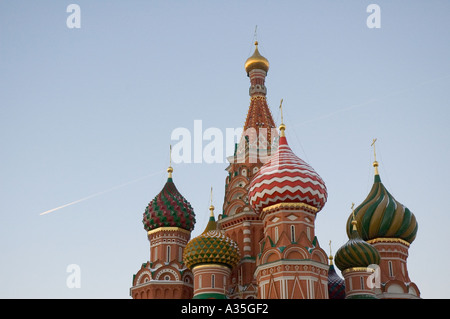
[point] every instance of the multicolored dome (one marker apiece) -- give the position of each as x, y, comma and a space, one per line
336, 285
380, 215
356, 252
285, 178
169, 209
256, 61
211, 247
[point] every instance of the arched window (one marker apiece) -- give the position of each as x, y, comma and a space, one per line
391, 270
168, 254
213, 281
292, 233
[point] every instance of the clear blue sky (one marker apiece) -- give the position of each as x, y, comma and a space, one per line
85, 110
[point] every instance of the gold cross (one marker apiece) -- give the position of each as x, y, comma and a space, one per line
374, 152
354, 222
281, 110
211, 196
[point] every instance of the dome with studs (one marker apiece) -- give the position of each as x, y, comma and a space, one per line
211, 247
169, 209
286, 178
380, 215
256, 61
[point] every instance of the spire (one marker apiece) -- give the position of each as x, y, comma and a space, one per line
211, 207
170, 169
354, 222
212, 225
375, 163
331, 255
282, 126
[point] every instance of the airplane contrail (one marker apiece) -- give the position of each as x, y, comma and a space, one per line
100, 193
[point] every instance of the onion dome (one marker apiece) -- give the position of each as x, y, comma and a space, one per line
256, 61
380, 215
211, 247
169, 209
356, 252
286, 178
336, 285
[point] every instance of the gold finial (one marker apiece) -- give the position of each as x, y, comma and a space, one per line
375, 163
331, 255
282, 126
211, 207
170, 169
354, 218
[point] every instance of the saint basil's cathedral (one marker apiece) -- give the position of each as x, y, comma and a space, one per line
263, 245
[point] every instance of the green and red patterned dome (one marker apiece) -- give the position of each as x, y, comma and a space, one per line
211, 247
380, 215
169, 209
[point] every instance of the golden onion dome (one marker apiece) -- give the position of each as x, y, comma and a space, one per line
256, 61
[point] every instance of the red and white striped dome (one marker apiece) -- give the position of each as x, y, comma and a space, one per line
285, 178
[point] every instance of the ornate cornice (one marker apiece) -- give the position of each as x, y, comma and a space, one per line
151, 232
290, 206
358, 269
388, 240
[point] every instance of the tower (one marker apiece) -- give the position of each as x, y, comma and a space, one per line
287, 194
391, 228
357, 259
259, 139
211, 257
168, 220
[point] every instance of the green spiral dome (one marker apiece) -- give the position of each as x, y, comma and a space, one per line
356, 253
380, 215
